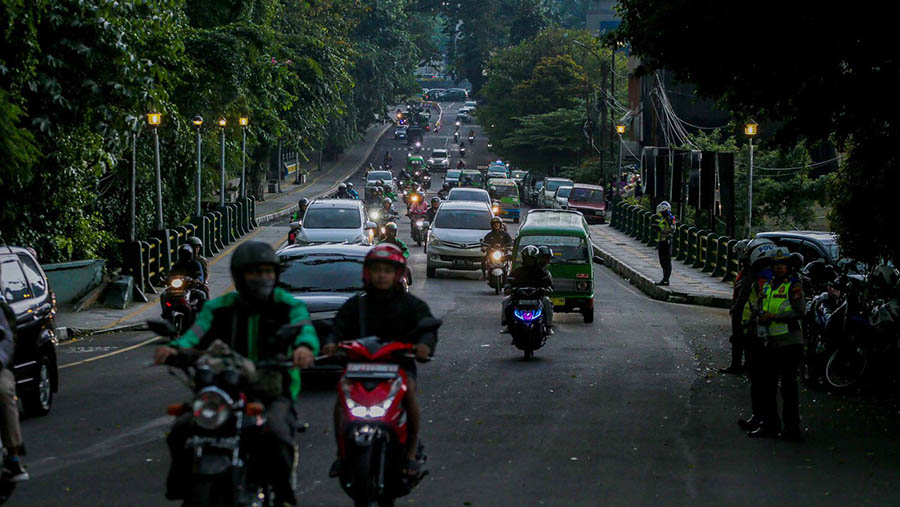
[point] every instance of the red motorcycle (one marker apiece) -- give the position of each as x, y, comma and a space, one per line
373, 436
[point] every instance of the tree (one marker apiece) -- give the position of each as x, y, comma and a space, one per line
826, 75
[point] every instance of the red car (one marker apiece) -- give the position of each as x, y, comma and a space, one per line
590, 201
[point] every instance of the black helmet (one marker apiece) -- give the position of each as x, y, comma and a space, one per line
391, 226
435, 200
386, 200
252, 253
185, 253
530, 255
545, 251
496, 220
445, 186
303, 203
195, 241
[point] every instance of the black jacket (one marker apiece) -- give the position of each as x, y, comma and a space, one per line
500, 237
191, 269
389, 317
533, 276
7, 334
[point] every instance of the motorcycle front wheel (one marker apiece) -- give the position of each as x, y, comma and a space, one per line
846, 366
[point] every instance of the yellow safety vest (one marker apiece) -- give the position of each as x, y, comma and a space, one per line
752, 300
777, 302
665, 229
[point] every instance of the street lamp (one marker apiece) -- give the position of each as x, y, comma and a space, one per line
222, 123
198, 122
154, 119
751, 130
244, 121
620, 129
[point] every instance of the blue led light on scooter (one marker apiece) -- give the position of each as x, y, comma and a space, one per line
527, 315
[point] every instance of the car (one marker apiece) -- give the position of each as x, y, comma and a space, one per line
400, 132
548, 191
471, 178
335, 221
25, 288
470, 194
372, 178
590, 201
463, 115
454, 238
812, 245
454, 95
435, 94
323, 277
561, 197
507, 193
452, 177
470, 105
519, 177
439, 159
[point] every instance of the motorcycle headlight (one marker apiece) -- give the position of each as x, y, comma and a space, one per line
375, 215
211, 408
371, 411
496, 209
497, 255
177, 283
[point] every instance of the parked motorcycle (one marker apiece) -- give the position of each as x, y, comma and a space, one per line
227, 468
497, 264
528, 325
179, 304
372, 438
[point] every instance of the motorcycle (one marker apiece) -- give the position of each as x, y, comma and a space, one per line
418, 225
295, 229
426, 182
226, 425
497, 265
178, 307
456, 137
417, 148
462, 151
471, 138
528, 325
373, 434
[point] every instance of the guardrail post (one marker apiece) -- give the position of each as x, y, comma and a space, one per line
639, 225
615, 214
252, 212
732, 266
181, 233
712, 253
156, 249
691, 246
674, 241
722, 257
216, 219
701, 249
164, 254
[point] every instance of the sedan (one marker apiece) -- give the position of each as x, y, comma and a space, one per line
335, 221
400, 132
440, 159
454, 239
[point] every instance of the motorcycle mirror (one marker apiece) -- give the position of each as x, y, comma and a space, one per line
371, 225
162, 327
598, 260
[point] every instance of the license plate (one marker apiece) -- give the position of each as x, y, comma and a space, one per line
558, 301
529, 302
460, 263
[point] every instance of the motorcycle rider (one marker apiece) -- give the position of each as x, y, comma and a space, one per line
529, 274
387, 311
197, 245
460, 164
351, 191
10, 430
417, 204
665, 227
781, 309
387, 158
497, 236
387, 209
390, 237
546, 255
462, 149
248, 321
435, 204
444, 191
302, 204
342, 192
188, 267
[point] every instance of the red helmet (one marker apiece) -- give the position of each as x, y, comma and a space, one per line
385, 252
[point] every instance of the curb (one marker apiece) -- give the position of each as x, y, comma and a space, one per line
647, 286
70, 333
287, 211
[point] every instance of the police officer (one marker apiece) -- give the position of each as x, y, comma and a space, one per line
781, 308
665, 224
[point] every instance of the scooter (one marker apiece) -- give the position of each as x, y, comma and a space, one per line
456, 137
462, 151
528, 325
178, 305
497, 264
373, 433
225, 425
295, 229
471, 138
418, 225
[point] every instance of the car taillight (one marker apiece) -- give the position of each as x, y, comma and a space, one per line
168, 304
177, 409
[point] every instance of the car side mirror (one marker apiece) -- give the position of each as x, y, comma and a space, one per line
297, 224
371, 225
598, 260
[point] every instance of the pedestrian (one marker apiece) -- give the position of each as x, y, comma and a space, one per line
752, 281
781, 308
10, 431
665, 226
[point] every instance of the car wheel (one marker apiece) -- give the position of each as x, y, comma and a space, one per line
38, 400
588, 314
430, 272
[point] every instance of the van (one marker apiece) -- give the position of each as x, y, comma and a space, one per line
571, 266
507, 192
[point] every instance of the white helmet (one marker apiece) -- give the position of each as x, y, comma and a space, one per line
663, 206
741, 249
758, 250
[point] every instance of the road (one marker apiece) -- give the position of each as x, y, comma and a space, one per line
627, 410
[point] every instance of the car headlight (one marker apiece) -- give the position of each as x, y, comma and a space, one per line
211, 408
434, 241
582, 285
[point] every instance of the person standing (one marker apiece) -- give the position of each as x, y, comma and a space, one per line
665, 225
739, 297
10, 431
781, 308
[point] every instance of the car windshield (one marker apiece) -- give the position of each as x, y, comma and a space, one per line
564, 192
552, 185
453, 174
506, 191
331, 218
566, 249
832, 248
439, 154
321, 272
539, 185
463, 219
380, 175
586, 195
477, 178
466, 195
519, 174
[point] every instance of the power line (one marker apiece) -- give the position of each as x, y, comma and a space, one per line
808, 166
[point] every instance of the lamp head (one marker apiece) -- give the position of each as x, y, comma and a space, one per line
154, 119
222, 122
197, 121
244, 121
751, 128
620, 129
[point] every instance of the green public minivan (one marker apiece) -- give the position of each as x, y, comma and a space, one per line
567, 233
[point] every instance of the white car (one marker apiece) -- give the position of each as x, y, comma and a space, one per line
463, 115
547, 196
454, 239
439, 159
470, 105
470, 194
335, 221
561, 197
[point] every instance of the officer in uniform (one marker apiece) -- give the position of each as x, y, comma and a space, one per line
781, 308
665, 226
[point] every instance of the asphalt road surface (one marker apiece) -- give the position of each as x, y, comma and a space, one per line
625, 411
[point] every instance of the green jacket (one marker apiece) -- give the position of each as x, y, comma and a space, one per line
250, 332
399, 244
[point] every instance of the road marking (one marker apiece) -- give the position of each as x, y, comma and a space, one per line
110, 354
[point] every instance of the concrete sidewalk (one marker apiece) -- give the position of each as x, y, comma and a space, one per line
101, 319
639, 264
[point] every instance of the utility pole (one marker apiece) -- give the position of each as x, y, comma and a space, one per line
604, 135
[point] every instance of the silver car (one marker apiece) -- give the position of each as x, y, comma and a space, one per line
335, 221
547, 197
470, 194
454, 239
561, 197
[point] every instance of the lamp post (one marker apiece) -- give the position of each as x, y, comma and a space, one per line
620, 129
222, 124
198, 121
750, 129
154, 119
244, 121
